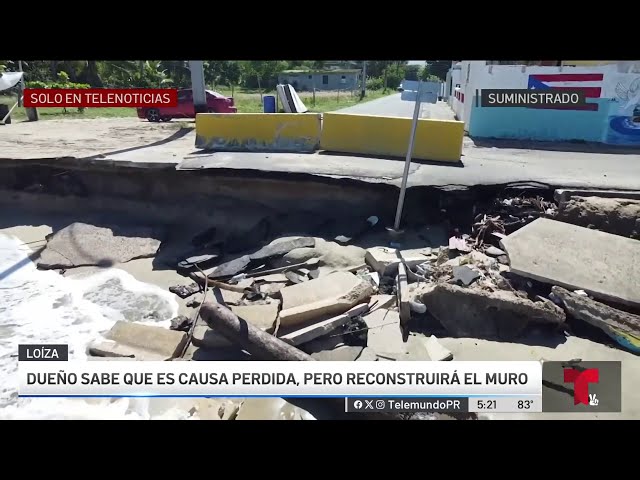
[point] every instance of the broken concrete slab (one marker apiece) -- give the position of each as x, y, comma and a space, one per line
140, 342
618, 216
345, 353
384, 335
279, 247
385, 260
311, 332
470, 312
436, 351
622, 326
330, 255
81, 244
229, 269
271, 409
602, 264
323, 297
261, 316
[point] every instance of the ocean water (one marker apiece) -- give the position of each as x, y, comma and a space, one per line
45, 307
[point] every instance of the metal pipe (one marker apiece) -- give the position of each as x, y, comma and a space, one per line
407, 163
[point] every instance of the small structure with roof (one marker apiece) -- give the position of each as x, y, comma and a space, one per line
334, 79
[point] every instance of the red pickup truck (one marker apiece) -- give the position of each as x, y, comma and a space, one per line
216, 103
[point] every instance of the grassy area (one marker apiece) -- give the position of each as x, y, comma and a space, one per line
324, 101
247, 102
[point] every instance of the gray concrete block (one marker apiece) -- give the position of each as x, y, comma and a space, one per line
604, 265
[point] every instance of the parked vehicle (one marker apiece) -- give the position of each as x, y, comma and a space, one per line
216, 103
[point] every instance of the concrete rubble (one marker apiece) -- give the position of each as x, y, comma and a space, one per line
80, 244
385, 260
394, 301
329, 295
471, 312
622, 326
140, 342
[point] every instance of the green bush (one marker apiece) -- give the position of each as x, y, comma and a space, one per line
375, 83
394, 77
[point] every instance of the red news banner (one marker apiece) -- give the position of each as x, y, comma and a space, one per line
100, 97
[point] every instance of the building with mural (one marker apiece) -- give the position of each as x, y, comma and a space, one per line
611, 115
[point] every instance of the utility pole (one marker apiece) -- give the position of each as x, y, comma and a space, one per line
363, 92
197, 86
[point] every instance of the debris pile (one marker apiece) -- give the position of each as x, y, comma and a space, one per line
307, 298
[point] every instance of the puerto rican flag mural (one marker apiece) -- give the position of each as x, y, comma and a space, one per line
590, 83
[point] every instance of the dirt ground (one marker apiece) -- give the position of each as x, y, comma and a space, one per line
85, 138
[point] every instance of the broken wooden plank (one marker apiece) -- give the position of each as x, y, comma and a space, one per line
268, 347
251, 338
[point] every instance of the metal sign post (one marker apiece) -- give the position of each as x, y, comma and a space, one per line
407, 162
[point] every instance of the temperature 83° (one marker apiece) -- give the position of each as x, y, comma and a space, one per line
524, 404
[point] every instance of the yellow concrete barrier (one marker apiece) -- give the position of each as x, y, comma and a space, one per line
258, 132
438, 140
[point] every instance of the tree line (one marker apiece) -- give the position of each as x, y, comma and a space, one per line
249, 74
